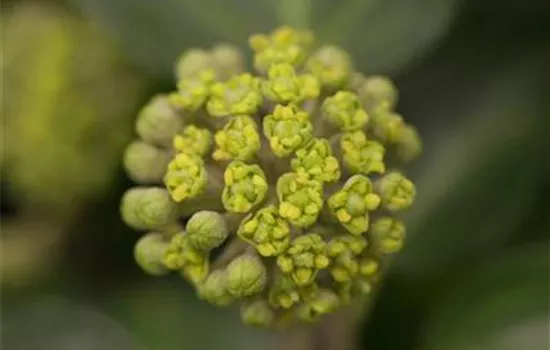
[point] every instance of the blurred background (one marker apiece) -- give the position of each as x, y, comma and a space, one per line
471, 74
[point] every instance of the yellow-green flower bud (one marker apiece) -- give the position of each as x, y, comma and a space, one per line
343, 251
284, 45
228, 61
287, 129
306, 255
409, 143
331, 65
144, 163
193, 91
193, 140
387, 235
238, 96
266, 230
346, 243
257, 313
386, 125
185, 177
284, 293
246, 276
325, 302
361, 155
214, 289
344, 110
377, 90
145, 208
316, 161
182, 255
397, 191
206, 230
245, 186
352, 203
300, 198
158, 122
149, 251
192, 62
285, 86
239, 139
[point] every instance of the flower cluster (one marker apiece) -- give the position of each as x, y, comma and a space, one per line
277, 191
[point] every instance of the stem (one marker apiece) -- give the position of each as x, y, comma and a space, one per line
295, 13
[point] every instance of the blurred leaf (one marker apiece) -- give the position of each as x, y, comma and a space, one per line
502, 305
170, 316
156, 33
477, 181
385, 36
57, 323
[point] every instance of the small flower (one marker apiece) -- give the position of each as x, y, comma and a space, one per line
362, 155
228, 61
304, 258
239, 139
193, 140
193, 91
331, 65
343, 251
300, 199
182, 255
386, 124
397, 191
145, 163
316, 161
245, 187
239, 95
149, 251
285, 86
266, 230
285, 293
257, 313
158, 122
148, 208
206, 230
376, 90
246, 276
287, 129
192, 62
344, 110
387, 235
409, 143
185, 176
214, 289
325, 302
353, 202
284, 45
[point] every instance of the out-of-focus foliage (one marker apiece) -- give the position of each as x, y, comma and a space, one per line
68, 107
384, 36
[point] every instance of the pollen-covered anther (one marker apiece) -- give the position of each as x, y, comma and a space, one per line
193, 91
245, 187
185, 177
287, 129
266, 230
316, 161
181, 255
331, 65
344, 110
300, 199
239, 139
306, 255
387, 235
397, 192
193, 140
238, 96
284, 85
284, 45
361, 155
353, 202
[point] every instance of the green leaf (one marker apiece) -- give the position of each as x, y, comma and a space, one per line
501, 305
385, 36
